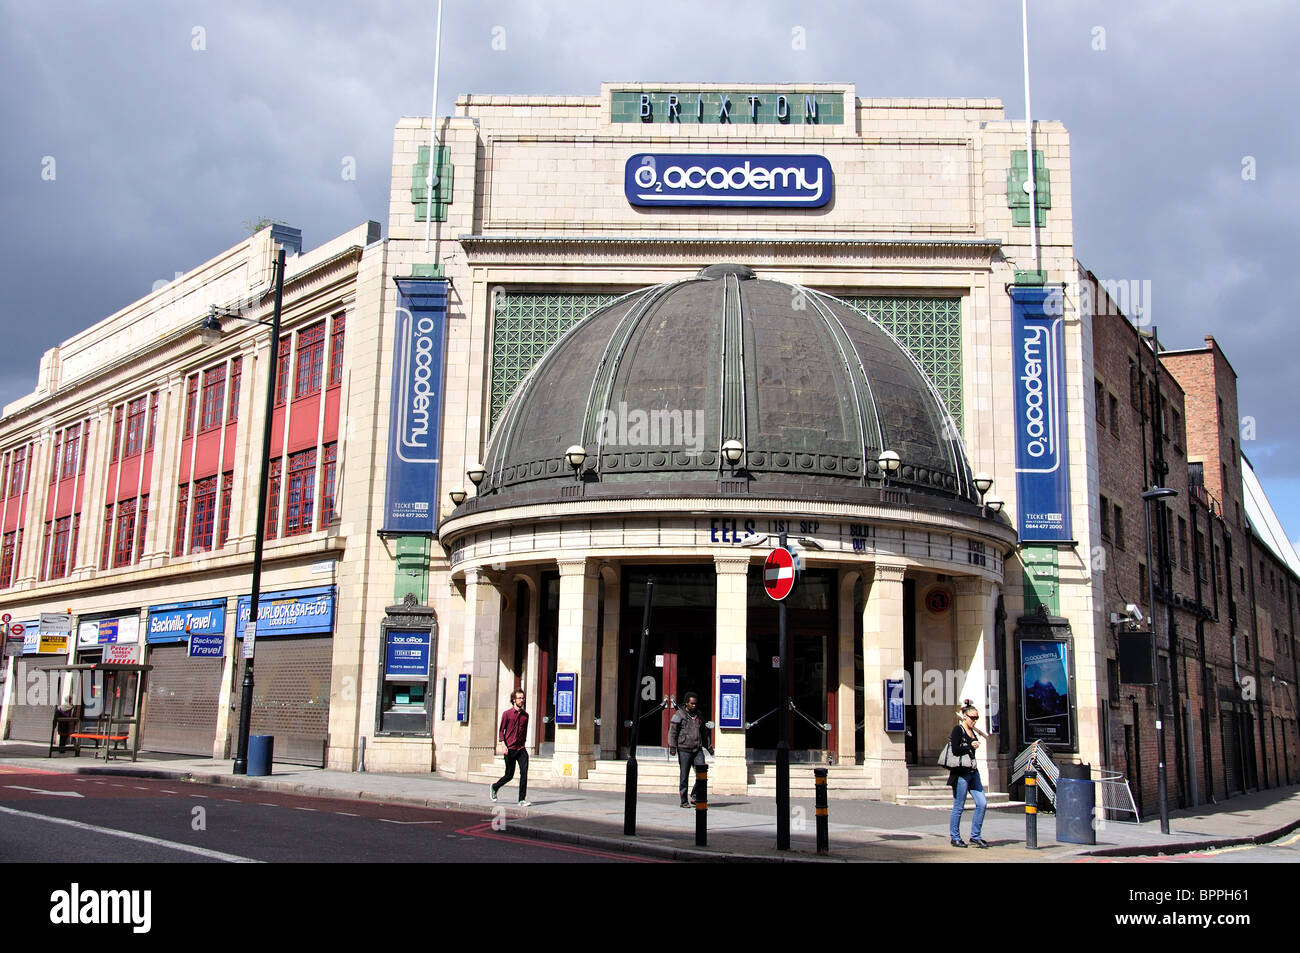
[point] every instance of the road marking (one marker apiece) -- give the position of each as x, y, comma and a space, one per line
128, 835
485, 830
165, 791
138, 788
389, 821
19, 787
304, 809
346, 814
265, 804
204, 796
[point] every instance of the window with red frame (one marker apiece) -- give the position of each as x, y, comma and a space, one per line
205, 514
4, 478
135, 420
273, 500
214, 395
18, 475
65, 542
336, 351
227, 495
182, 515
141, 524
153, 420
8, 560
301, 497
71, 452
236, 372
311, 360
44, 570
282, 373
329, 475
56, 456
108, 537
191, 401
116, 446
124, 538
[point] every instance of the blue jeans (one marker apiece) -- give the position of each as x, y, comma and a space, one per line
967, 782
689, 758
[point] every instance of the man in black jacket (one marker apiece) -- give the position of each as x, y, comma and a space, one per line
688, 738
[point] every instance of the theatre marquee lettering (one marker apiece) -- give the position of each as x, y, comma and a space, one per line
729, 108
737, 530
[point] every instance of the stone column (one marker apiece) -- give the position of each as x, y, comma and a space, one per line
977, 599
482, 640
510, 634
730, 773
885, 754
532, 658
608, 735
575, 745
844, 716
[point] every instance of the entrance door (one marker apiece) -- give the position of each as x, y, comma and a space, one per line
680, 650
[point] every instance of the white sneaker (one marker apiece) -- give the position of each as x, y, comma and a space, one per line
492, 793
525, 803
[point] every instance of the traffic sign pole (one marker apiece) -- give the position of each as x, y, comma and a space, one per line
782, 741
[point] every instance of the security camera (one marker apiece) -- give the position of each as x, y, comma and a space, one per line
1134, 612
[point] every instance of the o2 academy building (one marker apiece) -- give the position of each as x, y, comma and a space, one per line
674, 322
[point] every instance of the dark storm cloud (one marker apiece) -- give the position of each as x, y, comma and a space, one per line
163, 151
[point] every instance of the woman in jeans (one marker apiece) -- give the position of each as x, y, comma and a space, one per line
965, 741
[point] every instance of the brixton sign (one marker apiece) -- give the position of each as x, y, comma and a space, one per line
731, 181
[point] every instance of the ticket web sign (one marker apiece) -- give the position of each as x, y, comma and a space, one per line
566, 698
731, 701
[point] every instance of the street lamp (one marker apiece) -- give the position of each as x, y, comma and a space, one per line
1148, 496
889, 463
574, 457
476, 473
983, 483
994, 504
457, 495
732, 451
210, 331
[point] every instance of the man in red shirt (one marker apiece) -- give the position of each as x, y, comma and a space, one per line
514, 735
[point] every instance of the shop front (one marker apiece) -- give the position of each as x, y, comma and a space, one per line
185, 642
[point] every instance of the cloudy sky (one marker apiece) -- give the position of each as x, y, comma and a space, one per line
140, 137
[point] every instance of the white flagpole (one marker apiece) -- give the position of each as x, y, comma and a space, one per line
433, 132
1031, 183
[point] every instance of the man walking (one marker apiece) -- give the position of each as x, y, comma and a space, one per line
688, 738
514, 735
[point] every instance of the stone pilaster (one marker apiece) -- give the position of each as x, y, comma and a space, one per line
608, 734
976, 602
729, 773
575, 753
885, 755
844, 715
481, 650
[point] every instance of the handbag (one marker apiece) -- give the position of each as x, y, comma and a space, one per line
949, 760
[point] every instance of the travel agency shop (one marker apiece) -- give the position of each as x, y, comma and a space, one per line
675, 321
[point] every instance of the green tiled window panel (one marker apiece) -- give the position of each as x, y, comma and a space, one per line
626, 107
1017, 198
442, 191
930, 328
1041, 578
524, 326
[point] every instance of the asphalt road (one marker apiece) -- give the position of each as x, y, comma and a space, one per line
49, 817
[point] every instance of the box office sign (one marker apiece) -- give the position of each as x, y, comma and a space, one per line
416, 405
407, 655
728, 181
296, 612
178, 621
1046, 701
1042, 459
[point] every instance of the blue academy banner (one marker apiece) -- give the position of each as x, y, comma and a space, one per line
167, 623
728, 181
415, 408
1042, 459
296, 612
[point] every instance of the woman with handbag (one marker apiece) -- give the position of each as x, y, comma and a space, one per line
963, 743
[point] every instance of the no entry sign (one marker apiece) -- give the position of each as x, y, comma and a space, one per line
778, 573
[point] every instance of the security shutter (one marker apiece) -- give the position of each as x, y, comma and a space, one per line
34, 722
181, 713
1231, 752
291, 696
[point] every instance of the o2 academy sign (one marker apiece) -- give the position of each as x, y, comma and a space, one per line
728, 181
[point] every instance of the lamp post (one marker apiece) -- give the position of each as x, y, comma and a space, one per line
732, 451
210, 331
1148, 496
574, 457
983, 483
889, 463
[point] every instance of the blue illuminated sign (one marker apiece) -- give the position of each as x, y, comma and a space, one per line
296, 612
415, 405
731, 704
407, 655
207, 646
728, 181
168, 623
566, 698
895, 710
1042, 459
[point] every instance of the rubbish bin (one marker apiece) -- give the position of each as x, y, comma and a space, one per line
1076, 798
261, 750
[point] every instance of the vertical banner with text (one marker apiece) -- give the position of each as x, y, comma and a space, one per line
416, 405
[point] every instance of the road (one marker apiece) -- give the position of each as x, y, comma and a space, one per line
53, 817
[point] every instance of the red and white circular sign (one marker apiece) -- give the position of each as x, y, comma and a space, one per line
6, 617
778, 573
17, 629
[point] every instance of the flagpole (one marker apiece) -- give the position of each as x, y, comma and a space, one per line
1031, 181
433, 132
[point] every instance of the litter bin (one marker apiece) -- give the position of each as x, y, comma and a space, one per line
261, 750
1076, 798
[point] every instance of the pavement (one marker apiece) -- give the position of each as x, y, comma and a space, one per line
740, 828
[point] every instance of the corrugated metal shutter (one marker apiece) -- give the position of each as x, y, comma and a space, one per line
33, 722
291, 696
1232, 752
181, 713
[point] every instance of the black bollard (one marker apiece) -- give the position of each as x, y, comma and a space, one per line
701, 794
823, 813
1031, 809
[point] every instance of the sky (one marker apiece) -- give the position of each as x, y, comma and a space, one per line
141, 138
